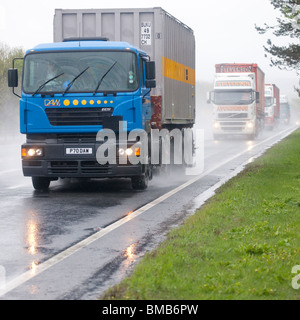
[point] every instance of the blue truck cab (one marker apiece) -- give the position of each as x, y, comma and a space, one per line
71, 90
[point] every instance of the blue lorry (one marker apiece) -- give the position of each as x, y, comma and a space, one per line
75, 88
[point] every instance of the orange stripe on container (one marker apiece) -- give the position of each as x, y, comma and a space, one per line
177, 71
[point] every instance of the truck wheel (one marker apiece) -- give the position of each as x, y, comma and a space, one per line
218, 137
40, 183
251, 136
141, 182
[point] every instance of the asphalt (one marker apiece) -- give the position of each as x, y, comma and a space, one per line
76, 240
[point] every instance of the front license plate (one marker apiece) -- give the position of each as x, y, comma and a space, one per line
79, 150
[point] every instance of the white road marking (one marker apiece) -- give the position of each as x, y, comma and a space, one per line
96, 236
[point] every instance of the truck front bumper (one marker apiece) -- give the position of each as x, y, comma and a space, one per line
54, 161
233, 127
269, 122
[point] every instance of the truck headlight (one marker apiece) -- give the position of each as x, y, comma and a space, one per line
216, 124
129, 151
250, 125
121, 152
32, 152
39, 152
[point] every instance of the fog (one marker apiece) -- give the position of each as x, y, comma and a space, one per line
224, 30
9, 122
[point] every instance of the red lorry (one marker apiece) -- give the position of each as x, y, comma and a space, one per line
272, 106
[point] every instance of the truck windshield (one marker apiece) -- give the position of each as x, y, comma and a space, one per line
39, 68
284, 109
233, 97
268, 101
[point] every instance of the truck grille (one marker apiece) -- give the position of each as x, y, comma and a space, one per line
76, 138
93, 167
77, 116
227, 123
232, 129
63, 167
233, 115
78, 167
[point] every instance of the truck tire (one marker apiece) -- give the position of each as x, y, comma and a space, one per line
141, 182
218, 136
40, 183
251, 136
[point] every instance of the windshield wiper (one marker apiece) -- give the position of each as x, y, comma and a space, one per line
70, 84
105, 74
43, 85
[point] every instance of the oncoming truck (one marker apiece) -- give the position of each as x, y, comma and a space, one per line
119, 70
238, 100
285, 112
272, 106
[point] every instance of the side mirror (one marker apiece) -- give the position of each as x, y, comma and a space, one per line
150, 70
150, 84
208, 99
12, 78
257, 97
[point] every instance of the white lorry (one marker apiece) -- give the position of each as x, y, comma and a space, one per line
238, 100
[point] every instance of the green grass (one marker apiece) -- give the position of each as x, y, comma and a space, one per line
242, 244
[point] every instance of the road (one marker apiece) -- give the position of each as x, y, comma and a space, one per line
78, 239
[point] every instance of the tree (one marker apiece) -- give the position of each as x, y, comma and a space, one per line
8, 102
285, 57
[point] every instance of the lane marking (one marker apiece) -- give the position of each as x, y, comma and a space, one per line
38, 269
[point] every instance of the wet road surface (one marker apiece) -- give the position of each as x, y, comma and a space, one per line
78, 239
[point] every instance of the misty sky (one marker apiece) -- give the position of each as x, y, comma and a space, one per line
224, 29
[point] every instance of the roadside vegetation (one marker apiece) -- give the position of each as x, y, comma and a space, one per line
242, 244
285, 57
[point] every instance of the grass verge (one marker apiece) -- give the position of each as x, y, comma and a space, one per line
242, 244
